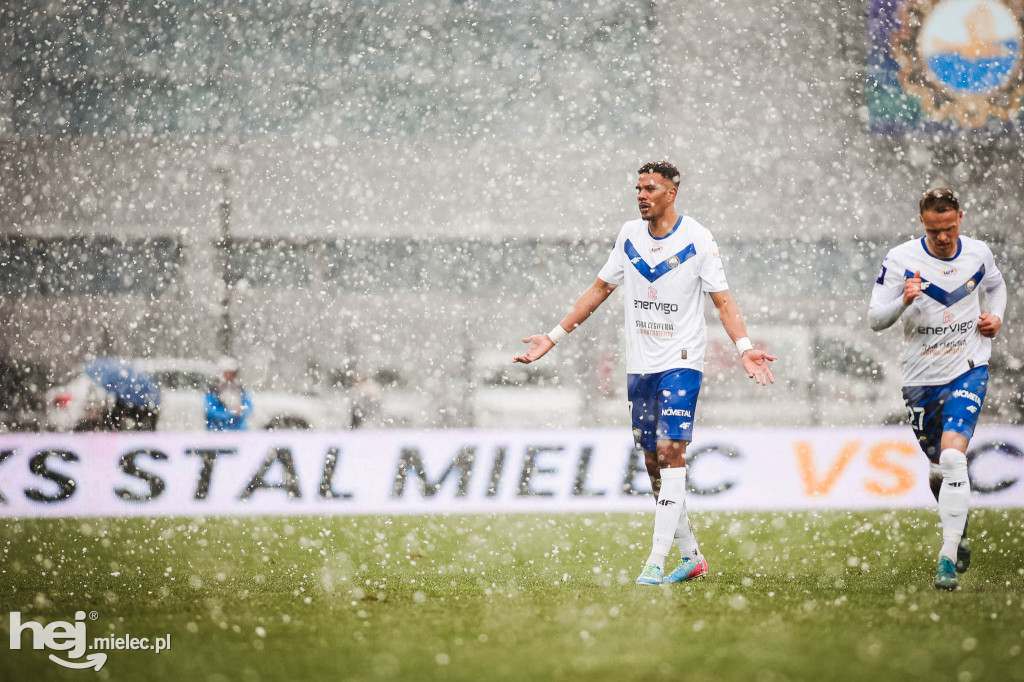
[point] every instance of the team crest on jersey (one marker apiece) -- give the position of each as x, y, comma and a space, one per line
948, 317
673, 262
962, 58
970, 286
652, 293
948, 272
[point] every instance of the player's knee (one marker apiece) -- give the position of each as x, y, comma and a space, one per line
671, 453
953, 465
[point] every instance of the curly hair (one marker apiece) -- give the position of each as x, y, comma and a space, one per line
940, 200
663, 168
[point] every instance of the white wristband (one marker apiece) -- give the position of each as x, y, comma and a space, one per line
743, 345
557, 334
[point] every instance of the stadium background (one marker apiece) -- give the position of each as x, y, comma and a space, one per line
429, 181
411, 187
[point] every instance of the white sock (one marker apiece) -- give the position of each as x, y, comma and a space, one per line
686, 541
954, 500
935, 479
666, 514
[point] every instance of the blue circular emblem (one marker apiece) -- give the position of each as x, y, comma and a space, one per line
971, 46
971, 285
962, 58
673, 262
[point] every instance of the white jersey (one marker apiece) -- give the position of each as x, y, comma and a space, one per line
940, 327
664, 281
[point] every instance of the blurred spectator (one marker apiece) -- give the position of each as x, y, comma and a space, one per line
228, 405
365, 400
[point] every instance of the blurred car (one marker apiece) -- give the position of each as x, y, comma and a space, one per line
80, 403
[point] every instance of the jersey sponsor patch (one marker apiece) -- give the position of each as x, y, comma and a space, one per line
675, 412
666, 308
950, 328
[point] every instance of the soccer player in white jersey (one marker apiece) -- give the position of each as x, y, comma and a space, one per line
666, 262
933, 283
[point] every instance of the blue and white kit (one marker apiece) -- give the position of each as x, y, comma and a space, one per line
945, 357
664, 281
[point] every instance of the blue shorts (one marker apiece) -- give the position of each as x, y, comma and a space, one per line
953, 407
663, 405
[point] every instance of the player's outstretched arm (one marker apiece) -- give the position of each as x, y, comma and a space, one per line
755, 361
589, 301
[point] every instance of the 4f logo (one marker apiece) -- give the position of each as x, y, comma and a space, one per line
665, 503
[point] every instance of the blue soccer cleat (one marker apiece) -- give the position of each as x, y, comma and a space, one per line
688, 570
945, 575
651, 575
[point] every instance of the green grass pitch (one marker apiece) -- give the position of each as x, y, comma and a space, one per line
790, 596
